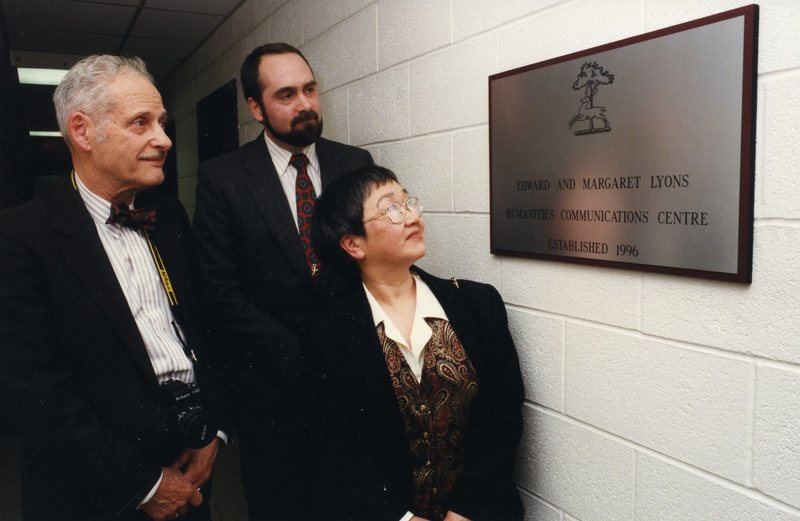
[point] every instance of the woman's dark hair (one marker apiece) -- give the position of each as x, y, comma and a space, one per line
249, 71
339, 211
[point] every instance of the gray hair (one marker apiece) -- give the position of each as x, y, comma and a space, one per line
85, 86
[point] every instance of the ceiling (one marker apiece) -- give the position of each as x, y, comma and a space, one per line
57, 33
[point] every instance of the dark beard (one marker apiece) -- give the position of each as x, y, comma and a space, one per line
303, 136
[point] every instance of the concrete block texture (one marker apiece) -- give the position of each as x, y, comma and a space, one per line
354, 6
760, 319
596, 294
665, 492
227, 68
538, 510
569, 28
321, 15
242, 109
227, 34
458, 246
249, 130
379, 107
450, 88
185, 136
335, 115
471, 170
475, 16
689, 405
649, 396
188, 161
375, 152
346, 52
779, 38
781, 161
411, 28
183, 102
249, 14
586, 474
187, 187
258, 36
286, 25
256, 11
776, 440
425, 168
198, 62
759, 205
540, 346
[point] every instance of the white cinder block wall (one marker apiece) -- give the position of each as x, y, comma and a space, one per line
650, 397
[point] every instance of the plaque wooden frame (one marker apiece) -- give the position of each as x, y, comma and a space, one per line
516, 244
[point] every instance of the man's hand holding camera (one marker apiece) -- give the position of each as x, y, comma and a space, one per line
181, 482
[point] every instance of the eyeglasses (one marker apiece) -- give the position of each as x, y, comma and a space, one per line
396, 212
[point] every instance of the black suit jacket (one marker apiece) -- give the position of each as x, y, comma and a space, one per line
258, 290
362, 442
257, 281
74, 370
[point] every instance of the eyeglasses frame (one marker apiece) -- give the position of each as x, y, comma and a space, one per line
403, 207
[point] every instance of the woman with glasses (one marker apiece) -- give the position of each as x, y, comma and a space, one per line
422, 393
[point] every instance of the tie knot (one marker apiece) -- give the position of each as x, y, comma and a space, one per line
298, 161
137, 219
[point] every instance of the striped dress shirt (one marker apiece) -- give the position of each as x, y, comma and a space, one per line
287, 174
138, 277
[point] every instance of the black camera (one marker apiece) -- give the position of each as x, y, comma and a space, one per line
194, 424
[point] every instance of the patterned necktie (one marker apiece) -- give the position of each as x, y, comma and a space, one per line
305, 196
137, 219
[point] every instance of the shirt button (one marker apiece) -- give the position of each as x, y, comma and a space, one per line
423, 408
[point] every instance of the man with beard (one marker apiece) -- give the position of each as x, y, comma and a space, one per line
252, 230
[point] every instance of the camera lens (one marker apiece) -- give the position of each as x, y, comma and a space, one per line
192, 422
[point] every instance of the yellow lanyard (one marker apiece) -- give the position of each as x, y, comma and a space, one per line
159, 262
165, 282
162, 272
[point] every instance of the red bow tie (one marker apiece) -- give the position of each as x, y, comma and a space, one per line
138, 219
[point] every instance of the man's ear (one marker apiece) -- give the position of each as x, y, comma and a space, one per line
352, 245
80, 127
255, 109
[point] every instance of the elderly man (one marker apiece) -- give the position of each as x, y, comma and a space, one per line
98, 320
252, 228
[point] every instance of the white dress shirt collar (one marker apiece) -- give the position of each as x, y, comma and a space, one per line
427, 306
99, 208
280, 156
287, 175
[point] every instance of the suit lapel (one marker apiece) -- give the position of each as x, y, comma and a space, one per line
330, 165
268, 196
456, 308
355, 333
83, 252
329, 162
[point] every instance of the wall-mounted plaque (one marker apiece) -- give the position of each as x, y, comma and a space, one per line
637, 154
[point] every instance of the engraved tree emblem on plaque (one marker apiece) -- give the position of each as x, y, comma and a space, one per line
590, 77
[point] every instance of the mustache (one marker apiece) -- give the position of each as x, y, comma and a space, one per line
306, 115
160, 155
